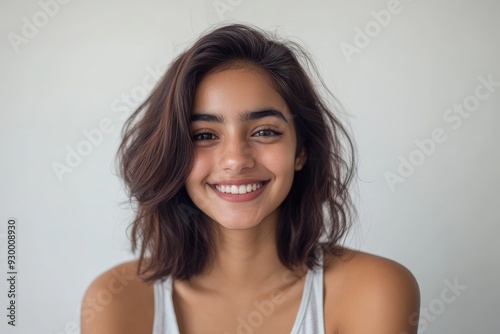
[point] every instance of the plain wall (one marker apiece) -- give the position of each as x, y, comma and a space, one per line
76, 71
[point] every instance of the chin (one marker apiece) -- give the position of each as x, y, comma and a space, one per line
236, 224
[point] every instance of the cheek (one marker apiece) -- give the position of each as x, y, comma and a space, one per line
200, 168
199, 172
281, 161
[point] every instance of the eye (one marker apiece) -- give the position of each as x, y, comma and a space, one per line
268, 133
203, 136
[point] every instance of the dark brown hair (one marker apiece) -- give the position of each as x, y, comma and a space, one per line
156, 156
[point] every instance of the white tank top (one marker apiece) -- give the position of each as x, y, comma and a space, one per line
309, 318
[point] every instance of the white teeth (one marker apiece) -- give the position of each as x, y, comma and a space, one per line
239, 190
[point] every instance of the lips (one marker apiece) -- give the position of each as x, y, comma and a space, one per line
240, 190
239, 182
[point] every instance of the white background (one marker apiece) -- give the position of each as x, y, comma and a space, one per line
71, 74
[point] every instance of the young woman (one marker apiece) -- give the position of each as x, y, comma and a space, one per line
240, 173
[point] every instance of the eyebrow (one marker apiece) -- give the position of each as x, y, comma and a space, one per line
246, 116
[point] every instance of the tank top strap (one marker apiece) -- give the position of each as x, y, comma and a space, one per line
310, 318
165, 320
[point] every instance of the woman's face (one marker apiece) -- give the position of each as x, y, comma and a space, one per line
245, 141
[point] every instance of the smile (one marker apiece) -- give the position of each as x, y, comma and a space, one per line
239, 189
239, 192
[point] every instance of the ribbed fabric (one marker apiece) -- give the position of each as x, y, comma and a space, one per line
309, 318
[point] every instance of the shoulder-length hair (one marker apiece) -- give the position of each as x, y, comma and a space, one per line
156, 155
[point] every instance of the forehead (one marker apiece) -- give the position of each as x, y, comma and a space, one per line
237, 89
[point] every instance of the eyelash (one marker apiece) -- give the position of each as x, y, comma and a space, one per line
275, 133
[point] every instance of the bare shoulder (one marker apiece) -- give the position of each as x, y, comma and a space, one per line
370, 294
118, 301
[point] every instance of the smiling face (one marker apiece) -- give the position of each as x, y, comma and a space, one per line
244, 148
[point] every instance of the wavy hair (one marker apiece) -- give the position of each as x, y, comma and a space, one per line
156, 156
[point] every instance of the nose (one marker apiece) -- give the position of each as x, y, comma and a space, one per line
236, 155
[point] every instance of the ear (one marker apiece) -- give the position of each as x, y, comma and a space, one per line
300, 160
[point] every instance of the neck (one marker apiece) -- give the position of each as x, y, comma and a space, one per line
245, 260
